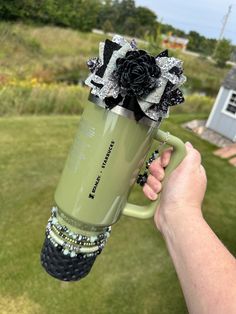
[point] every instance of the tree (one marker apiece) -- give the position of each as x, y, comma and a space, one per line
223, 52
233, 55
146, 21
80, 14
19, 10
209, 46
195, 41
107, 27
200, 43
154, 41
125, 16
166, 28
130, 26
106, 13
83, 14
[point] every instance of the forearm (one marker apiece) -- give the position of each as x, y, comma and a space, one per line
206, 269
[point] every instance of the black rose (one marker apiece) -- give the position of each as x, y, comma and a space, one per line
137, 73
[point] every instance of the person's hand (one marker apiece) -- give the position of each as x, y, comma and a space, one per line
183, 191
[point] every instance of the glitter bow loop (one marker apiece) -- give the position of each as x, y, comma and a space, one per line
125, 76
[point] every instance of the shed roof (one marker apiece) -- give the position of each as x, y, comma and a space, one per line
230, 79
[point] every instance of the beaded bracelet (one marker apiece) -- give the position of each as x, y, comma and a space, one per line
142, 178
72, 243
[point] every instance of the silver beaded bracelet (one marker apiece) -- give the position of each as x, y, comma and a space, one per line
74, 244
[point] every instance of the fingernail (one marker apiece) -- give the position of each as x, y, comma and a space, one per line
164, 163
153, 196
188, 144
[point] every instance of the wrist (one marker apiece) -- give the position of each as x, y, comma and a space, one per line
170, 221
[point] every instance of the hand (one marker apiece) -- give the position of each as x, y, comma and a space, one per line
183, 191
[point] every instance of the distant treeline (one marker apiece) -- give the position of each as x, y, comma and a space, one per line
121, 16
197, 43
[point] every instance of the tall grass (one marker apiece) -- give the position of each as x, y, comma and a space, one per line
195, 103
203, 75
52, 54
24, 98
45, 52
42, 99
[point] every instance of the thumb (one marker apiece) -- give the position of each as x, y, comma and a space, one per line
188, 145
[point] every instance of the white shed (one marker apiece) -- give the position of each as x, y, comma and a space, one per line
222, 118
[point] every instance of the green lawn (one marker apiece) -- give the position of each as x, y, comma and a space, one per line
134, 274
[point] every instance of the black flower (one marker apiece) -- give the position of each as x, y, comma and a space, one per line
137, 73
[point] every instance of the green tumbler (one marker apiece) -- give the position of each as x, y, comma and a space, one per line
103, 164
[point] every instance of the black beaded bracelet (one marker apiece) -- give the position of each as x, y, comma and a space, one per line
142, 178
71, 243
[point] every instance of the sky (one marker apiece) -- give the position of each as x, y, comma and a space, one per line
203, 16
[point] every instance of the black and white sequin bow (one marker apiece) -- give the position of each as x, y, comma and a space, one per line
124, 76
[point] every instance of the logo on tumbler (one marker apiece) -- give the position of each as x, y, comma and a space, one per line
81, 145
103, 166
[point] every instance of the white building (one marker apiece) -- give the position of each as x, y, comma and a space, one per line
222, 118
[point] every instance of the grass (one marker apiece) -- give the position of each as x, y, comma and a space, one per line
54, 54
195, 103
203, 75
47, 53
134, 274
32, 97
38, 62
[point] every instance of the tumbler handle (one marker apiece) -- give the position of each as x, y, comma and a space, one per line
179, 152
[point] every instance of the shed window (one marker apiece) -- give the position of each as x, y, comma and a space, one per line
231, 105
